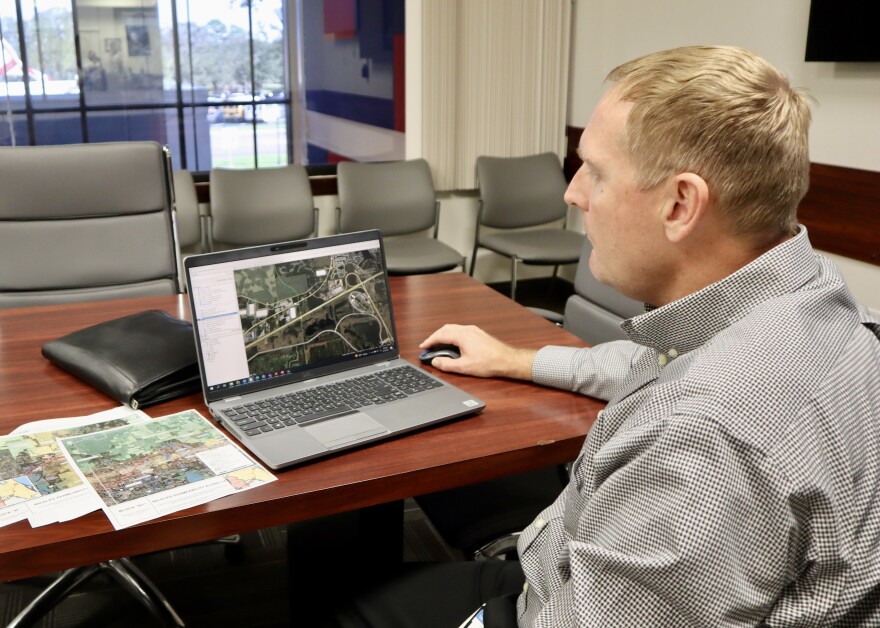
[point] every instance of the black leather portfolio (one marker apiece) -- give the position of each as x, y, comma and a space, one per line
140, 360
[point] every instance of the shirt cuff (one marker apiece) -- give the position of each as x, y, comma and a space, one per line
553, 366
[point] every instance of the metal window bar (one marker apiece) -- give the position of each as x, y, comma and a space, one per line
179, 105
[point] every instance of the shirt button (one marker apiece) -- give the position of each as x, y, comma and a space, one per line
672, 353
525, 587
539, 523
662, 359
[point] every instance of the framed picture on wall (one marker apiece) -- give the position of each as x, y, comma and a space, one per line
138, 40
112, 44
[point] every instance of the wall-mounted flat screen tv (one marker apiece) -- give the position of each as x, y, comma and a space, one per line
844, 30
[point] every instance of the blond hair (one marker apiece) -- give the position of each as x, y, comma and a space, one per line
727, 115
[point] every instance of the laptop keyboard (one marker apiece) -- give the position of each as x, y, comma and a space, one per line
328, 400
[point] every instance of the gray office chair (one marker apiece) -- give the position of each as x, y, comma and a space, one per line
191, 223
483, 520
521, 192
191, 233
261, 206
594, 312
86, 222
398, 199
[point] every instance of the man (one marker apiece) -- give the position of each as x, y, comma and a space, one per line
734, 477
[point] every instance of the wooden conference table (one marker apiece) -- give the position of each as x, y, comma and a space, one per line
523, 427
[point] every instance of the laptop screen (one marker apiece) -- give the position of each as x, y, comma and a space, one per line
269, 315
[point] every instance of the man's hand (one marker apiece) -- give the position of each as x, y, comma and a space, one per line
482, 355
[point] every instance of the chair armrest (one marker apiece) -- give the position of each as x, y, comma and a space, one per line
550, 315
498, 548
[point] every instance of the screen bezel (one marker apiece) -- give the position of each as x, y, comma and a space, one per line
219, 257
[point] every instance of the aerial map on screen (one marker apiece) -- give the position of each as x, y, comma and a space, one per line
306, 311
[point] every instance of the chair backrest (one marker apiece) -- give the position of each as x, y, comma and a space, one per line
395, 197
594, 312
85, 222
521, 191
189, 224
263, 205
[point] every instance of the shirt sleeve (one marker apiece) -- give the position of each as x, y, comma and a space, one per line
596, 371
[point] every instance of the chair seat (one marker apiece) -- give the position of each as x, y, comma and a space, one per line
542, 246
419, 255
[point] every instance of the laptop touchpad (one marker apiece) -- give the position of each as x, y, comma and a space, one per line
345, 430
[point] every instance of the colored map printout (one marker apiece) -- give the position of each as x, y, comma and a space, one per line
148, 470
307, 311
36, 481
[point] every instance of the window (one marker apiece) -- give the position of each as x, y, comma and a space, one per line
212, 80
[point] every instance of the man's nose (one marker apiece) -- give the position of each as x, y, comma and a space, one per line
575, 193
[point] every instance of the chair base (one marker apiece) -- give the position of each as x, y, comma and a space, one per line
123, 571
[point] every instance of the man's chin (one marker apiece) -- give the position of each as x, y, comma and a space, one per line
596, 269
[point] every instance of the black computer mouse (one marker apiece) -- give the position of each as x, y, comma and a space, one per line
439, 351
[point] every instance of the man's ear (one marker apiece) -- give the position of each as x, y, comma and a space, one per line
686, 205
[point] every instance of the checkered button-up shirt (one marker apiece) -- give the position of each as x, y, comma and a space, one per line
734, 477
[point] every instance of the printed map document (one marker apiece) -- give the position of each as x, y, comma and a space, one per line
37, 482
146, 470
66, 423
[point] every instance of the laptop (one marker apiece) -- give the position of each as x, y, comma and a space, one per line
298, 351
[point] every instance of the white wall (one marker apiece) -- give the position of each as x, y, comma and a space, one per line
846, 116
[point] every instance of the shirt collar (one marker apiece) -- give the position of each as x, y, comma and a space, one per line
689, 322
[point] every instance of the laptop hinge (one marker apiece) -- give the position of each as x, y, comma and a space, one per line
228, 399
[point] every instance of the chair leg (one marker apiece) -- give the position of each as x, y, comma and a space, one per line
123, 570
513, 262
142, 588
52, 595
209, 235
476, 236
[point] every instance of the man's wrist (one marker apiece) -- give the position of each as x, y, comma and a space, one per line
519, 366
